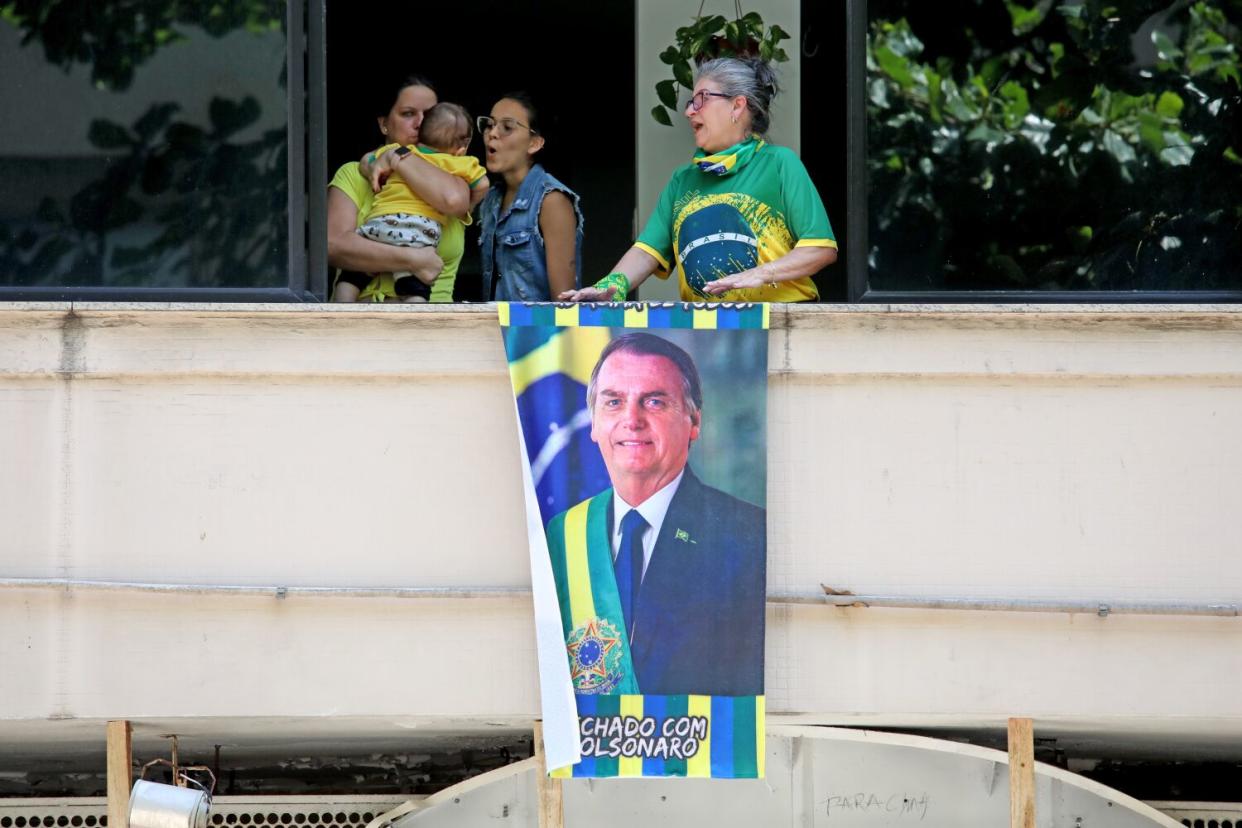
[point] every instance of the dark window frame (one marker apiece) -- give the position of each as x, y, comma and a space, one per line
306, 262
307, 266
858, 212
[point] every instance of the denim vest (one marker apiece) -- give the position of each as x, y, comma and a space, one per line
515, 263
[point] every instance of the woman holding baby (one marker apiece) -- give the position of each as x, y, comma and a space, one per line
531, 235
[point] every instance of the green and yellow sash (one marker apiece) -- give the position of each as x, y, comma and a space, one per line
591, 618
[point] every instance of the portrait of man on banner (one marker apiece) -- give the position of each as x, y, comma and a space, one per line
645, 429
673, 568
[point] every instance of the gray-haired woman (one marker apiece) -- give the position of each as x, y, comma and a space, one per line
742, 222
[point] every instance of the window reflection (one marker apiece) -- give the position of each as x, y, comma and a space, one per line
1042, 145
144, 146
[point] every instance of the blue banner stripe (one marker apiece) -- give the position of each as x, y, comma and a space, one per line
586, 707
722, 736
658, 317
602, 316
655, 707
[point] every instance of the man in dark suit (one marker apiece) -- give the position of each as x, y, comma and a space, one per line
661, 579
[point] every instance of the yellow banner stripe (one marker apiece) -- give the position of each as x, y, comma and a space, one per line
566, 772
700, 764
573, 353
631, 765
767, 315
761, 748
816, 243
636, 317
566, 317
705, 320
502, 310
577, 570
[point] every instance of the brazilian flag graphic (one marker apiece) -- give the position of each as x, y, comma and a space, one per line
550, 372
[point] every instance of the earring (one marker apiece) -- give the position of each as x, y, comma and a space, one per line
735, 119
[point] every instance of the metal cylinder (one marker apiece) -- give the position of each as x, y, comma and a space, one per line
155, 805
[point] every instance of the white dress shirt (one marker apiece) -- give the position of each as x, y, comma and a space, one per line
653, 510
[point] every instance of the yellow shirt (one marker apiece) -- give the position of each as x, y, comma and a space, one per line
397, 197
349, 180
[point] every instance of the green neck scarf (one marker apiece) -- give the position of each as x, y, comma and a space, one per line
728, 161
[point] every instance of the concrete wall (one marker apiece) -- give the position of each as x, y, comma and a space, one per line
661, 149
1034, 452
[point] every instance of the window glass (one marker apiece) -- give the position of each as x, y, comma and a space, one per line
1048, 145
143, 144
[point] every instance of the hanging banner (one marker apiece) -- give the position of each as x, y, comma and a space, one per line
643, 426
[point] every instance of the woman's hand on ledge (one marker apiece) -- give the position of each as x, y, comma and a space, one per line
587, 294
751, 278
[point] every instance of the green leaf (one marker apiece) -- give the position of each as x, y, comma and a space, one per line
779, 55
108, 135
681, 71
1024, 19
670, 55
986, 134
1178, 152
667, 90
1151, 131
1117, 147
956, 104
895, 66
777, 33
1169, 105
1057, 50
935, 96
661, 115
1166, 49
1231, 156
991, 72
765, 50
1016, 103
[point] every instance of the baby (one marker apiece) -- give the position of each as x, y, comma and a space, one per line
399, 216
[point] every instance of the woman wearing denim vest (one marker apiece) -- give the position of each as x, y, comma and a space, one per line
531, 225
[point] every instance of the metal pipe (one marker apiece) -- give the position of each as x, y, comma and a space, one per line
1102, 609
272, 591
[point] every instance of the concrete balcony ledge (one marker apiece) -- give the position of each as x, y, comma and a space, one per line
834, 342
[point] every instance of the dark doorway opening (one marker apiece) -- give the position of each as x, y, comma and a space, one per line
821, 51
475, 52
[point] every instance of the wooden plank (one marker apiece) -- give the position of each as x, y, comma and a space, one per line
549, 791
1021, 773
120, 774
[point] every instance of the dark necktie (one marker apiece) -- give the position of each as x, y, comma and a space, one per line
628, 566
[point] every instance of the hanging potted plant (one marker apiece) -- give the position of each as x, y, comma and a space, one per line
712, 37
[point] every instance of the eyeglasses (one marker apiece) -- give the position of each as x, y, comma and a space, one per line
699, 98
505, 125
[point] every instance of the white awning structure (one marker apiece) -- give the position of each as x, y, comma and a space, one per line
815, 776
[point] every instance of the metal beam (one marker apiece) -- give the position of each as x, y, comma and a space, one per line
840, 600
